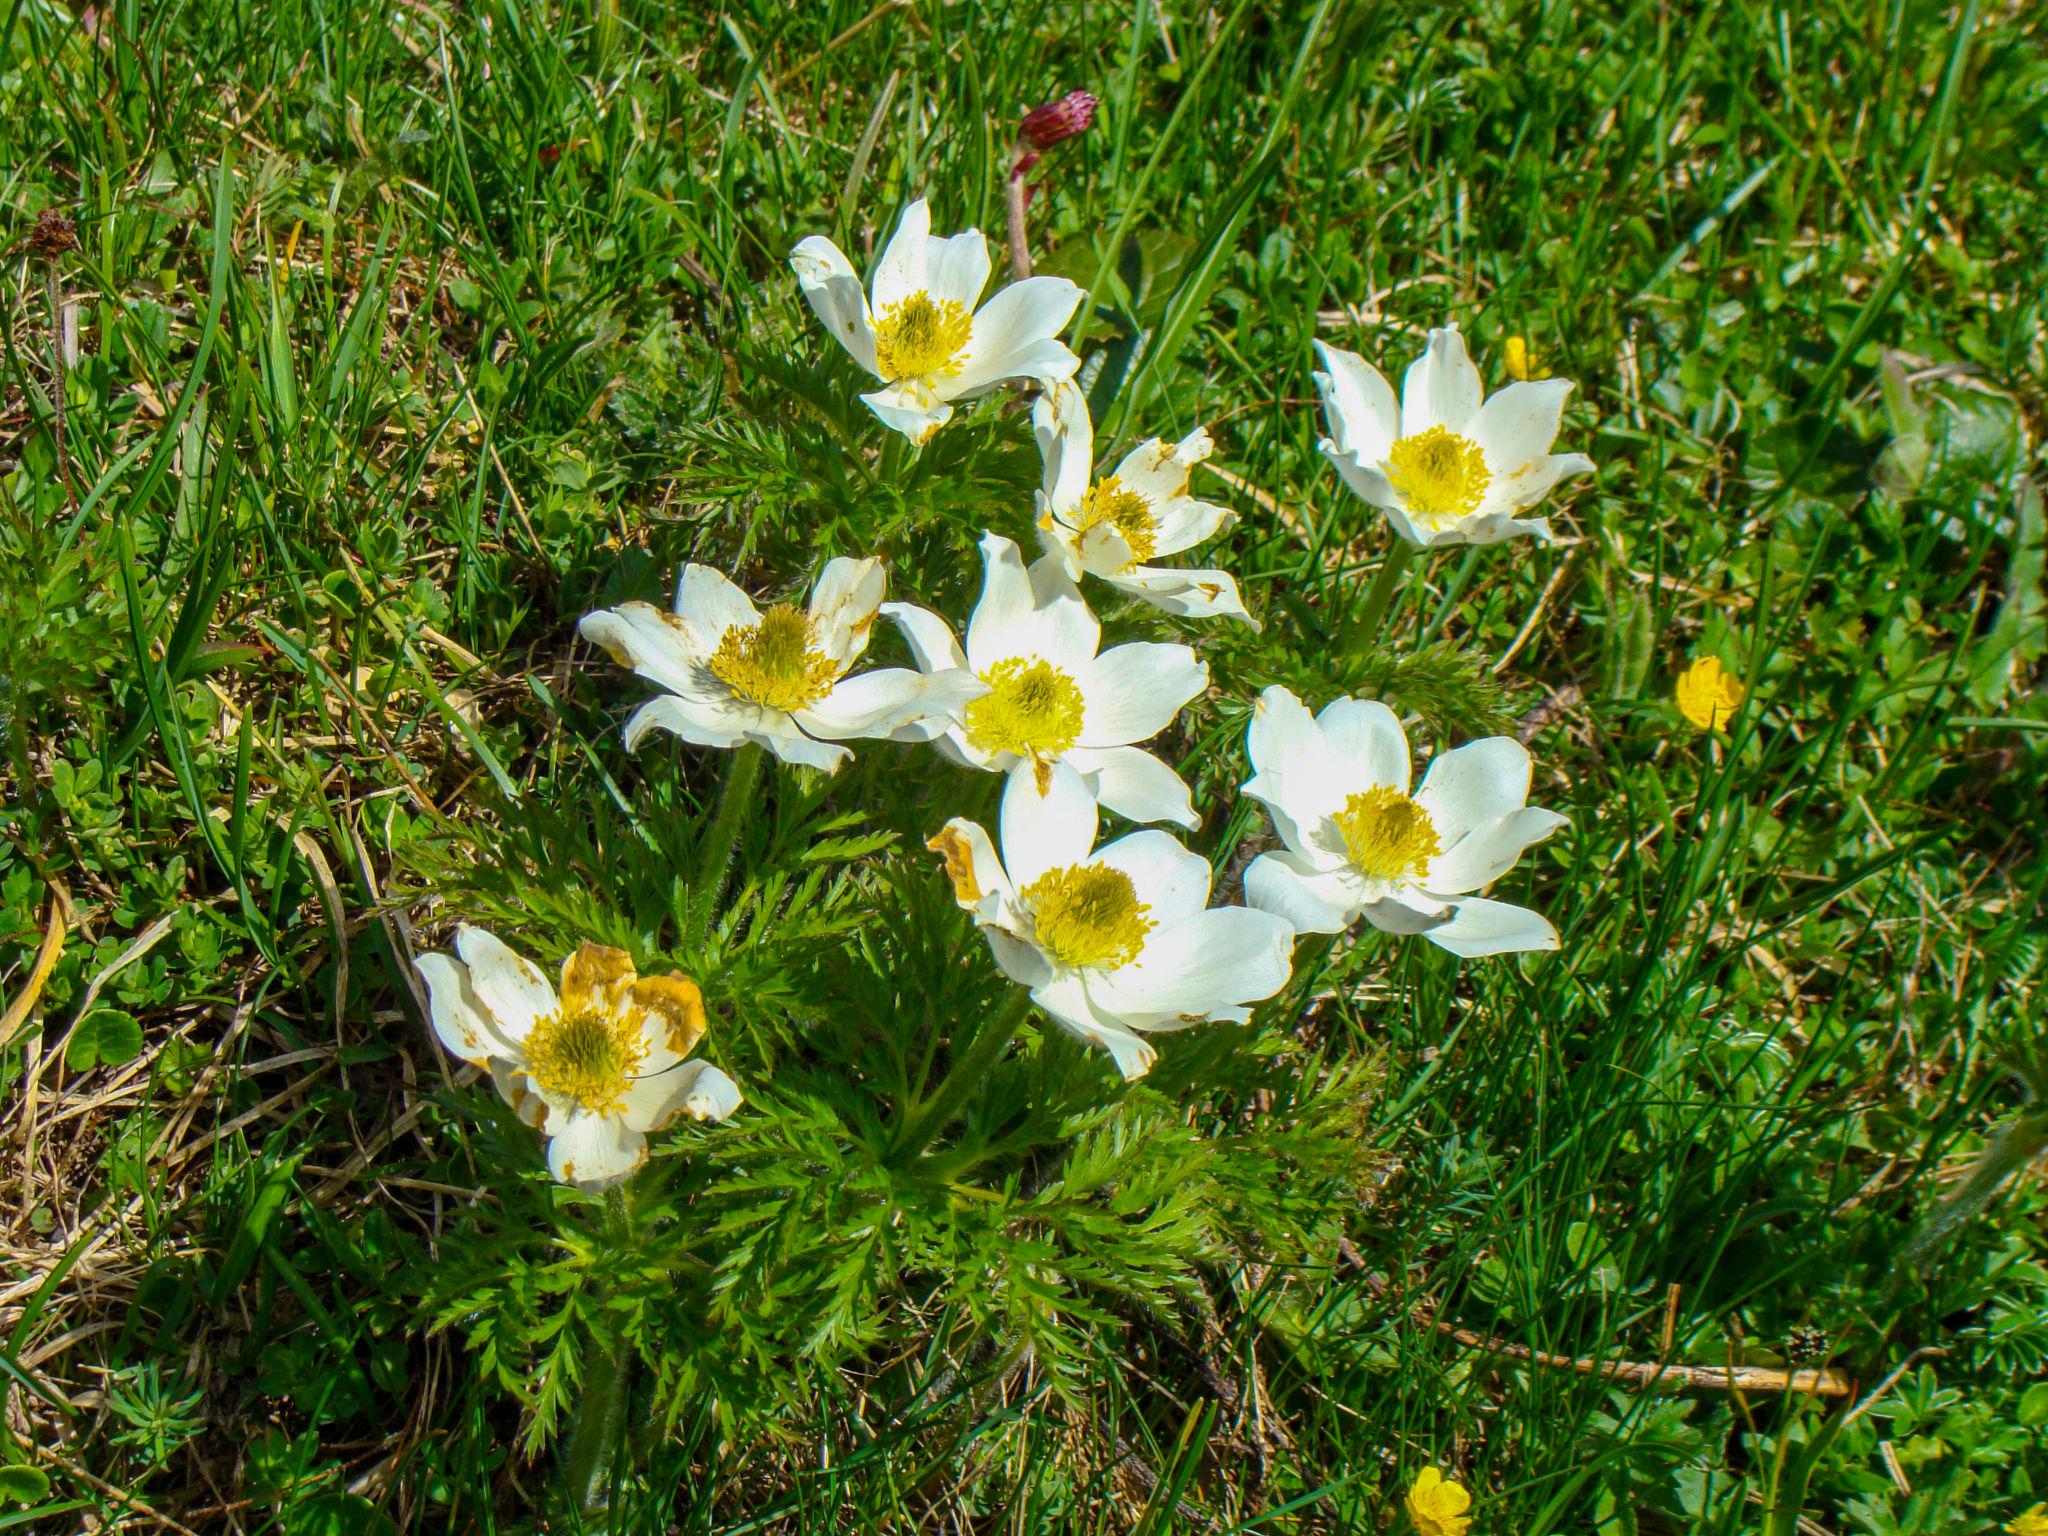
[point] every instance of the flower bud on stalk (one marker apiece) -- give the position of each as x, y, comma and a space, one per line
1041, 128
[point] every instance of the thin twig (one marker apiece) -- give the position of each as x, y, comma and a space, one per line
1716, 1378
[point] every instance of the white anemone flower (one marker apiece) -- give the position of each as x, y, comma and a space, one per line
918, 330
736, 673
1046, 697
1446, 467
1112, 526
1359, 843
596, 1067
1115, 943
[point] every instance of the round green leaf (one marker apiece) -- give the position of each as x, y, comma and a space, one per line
104, 1037
23, 1485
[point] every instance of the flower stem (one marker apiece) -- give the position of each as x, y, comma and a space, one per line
607, 1383
1379, 597
929, 1117
1015, 197
735, 800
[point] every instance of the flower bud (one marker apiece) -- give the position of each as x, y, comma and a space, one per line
1058, 121
53, 235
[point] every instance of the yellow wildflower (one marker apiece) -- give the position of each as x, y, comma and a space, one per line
2033, 1523
1437, 1505
1708, 694
1521, 359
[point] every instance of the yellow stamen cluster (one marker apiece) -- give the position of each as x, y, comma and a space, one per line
775, 663
1438, 473
1087, 915
1032, 708
921, 338
590, 1055
1110, 501
1387, 836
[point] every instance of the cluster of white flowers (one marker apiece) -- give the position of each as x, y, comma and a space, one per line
1115, 943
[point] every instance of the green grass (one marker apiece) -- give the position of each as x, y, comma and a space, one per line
406, 335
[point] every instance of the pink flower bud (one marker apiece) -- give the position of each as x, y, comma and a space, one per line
1058, 121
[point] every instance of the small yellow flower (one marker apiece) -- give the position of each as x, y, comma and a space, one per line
1521, 359
1437, 1505
2033, 1523
1708, 695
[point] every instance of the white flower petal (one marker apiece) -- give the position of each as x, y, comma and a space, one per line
517, 1090
1366, 733
707, 605
1308, 899
1135, 784
1511, 495
694, 1087
957, 269
1190, 593
1066, 441
1045, 827
461, 1021
830, 284
1488, 851
1170, 880
1300, 781
714, 1096
1475, 783
1036, 613
1133, 692
1158, 470
1018, 959
1441, 388
1282, 729
700, 722
1211, 966
1065, 1000
884, 701
909, 409
640, 636
779, 734
593, 1151
843, 605
972, 866
1367, 481
1482, 927
1516, 427
511, 988
1405, 910
929, 637
1183, 522
1016, 337
1358, 404
902, 269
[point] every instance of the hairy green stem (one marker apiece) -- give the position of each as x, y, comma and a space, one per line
929, 1117
1379, 597
735, 800
607, 1384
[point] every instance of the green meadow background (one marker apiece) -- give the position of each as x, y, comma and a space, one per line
396, 337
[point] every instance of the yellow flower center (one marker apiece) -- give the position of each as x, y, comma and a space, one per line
1438, 474
1110, 501
775, 663
1032, 708
1387, 835
590, 1055
921, 338
1087, 915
